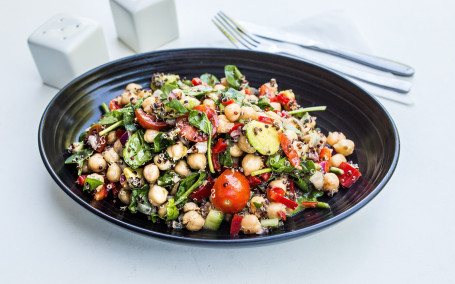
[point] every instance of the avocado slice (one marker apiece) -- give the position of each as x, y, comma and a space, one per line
263, 137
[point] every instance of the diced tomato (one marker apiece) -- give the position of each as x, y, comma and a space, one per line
266, 90
247, 92
265, 119
253, 180
216, 160
310, 204
350, 175
235, 224
325, 154
197, 81
220, 146
101, 194
265, 176
289, 203
289, 150
273, 99
190, 132
282, 215
203, 191
81, 179
273, 193
120, 133
229, 102
114, 104
149, 121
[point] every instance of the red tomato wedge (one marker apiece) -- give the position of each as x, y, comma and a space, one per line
235, 224
192, 133
289, 150
231, 192
149, 121
114, 104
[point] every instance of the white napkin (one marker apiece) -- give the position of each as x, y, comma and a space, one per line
334, 29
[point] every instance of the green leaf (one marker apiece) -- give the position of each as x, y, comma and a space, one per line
188, 185
129, 115
232, 94
263, 103
177, 105
280, 164
225, 157
111, 117
209, 79
79, 158
198, 90
257, 205
200, 120
139, 196
136, 152
167, 89
233, 76
91, 184
169, 179
160, 143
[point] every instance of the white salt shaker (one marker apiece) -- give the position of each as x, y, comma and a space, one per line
65, 47
145, 25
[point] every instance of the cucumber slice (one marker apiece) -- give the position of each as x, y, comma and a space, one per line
274, 223
213, 220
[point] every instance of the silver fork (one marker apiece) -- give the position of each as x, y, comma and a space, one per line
241, 38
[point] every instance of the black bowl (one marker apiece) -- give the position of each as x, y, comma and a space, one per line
349, 109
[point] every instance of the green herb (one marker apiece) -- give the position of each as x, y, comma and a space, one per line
257, 205
232, 94
136, 152
209, 79
129, 115
79, 158
263, 103
177, 105
167, 89
200, 120
307, 109
172, 212
280, 164
139, 200
168, 179
160, 143
91, 184
188, 185
233, 76
82, 136
111, 117
198, 90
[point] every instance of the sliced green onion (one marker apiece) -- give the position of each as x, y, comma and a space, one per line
336, 170
307, 109
105, 108
261, 172
112, 127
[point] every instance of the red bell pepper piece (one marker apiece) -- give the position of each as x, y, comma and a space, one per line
292, 187
228, 102
288, 202
310, 204
253, 181
286, 101
282, 215
273, 99
350, 175
273, 193
202, 191
266, 176
265, 119
220, 146
114, 104
197, 81
236, 130
289, 150
247, 92
325, 154
235, 224
216, 160
99, 195
81, 179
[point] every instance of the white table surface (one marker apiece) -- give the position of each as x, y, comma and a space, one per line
405, 235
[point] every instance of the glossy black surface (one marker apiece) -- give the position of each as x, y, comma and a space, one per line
349, 109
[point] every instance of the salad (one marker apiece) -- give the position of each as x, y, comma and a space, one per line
196, 153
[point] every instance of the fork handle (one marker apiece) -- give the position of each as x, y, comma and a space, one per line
372, 61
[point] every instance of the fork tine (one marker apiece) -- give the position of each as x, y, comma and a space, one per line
238, 26
233, 37
229, 25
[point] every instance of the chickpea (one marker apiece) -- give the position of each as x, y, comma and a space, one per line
250, 98
256, 199
182, 169
147, 103
245, 145
248, 112
151, 173
280, 183
273, 116
190, 206
113, 173
334, 137
193, 221
97, 163
144, 93
150, 134
344, 147
162, 210
124, 196
336, 160
331, 183
118, 147
111, 156
157, 195
276, 106
224, 125
251, 163
111, 137
274, 208
291, 135
232, 112
162, 162
219, 87
318, 180
235, 150
177, 151
197, 161
133, 88
210, 103
127, 97
250, 224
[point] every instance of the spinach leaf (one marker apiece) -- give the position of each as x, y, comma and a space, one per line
188, 185
79, 158
129, 115
233, 76
82, 136
111, 117
200, 120
198, 90
172, 212
280, 164
91, 184
225, 157
301, 182
160, 142
168, 179
209, 79
232, 94
308, 167
263, 103
139, 200
177, 105
167, 88
136, 152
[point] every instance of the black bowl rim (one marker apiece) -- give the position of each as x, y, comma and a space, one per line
264, 239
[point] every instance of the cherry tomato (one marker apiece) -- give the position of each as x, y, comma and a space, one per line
191, 132
197, 81
100, 141
114, 104
149, 121
289, 150
231, 192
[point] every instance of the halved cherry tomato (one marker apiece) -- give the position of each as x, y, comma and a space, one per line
325, 154
253, 180
149, 121
220, 146
100, 142
350, 174
265, 119
191, 132
203, 191
114, 104
289, 150
99, 195
273, 193
266, 176
197, 81
229, 102
235, 225
231, 192
81, 179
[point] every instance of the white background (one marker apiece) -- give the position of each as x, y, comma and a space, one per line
405, 235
